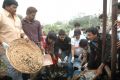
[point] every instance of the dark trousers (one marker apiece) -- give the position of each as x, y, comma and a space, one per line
25, 76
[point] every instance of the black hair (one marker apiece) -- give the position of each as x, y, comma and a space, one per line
61, 32
31, 10
76, 24
83, 43
51, 35
77, 32
9, 2
98, 27
93, 30
101, 16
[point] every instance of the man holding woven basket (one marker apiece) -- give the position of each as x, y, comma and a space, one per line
10, 29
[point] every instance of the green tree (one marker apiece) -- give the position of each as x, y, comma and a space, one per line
85, 21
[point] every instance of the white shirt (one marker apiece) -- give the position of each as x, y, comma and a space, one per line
75, 42
118, 33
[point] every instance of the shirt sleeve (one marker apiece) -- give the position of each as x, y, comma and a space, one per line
69, 46
21, 29
72, 41
82, 37
40, 32
0, 20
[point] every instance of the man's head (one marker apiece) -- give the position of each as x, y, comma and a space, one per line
51, 37
77, 25
31, 13
83, 43
101, 17
10, 6
62, 34
92, 33
77, 33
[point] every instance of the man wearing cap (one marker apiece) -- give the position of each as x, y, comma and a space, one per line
10, 26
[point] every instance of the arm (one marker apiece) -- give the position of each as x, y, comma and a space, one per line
72, 50
56, 49
72, 47
106, 57
0, 30
1, 41
69, 47
84, 60
22, 32
39, 32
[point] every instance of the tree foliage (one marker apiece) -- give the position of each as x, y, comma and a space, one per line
85, 21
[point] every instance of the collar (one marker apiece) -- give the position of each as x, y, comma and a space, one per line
95, 40
7, 13
25, 19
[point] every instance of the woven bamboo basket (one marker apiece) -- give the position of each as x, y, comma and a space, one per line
85, 75
25, 56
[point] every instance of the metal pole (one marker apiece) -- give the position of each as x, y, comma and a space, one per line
104, 26
114, 39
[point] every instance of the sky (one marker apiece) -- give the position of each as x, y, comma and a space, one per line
50, 11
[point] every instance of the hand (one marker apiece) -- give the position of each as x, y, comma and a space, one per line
43, 52
98, 72
0, 41
59, 60
41, 47
118, 44
5, 45
65, 59
54, 57
22, 35
115, 24
72, 60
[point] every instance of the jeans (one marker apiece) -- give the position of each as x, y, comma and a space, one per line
13, 73
77, 63
76, 66
25, 76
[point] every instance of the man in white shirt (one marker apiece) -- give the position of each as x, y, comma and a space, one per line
75, 43
76, 26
